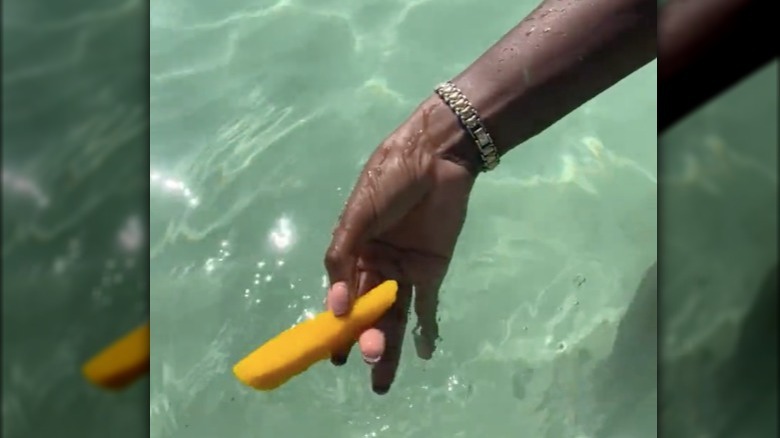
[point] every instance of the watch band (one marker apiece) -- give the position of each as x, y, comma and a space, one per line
469, 119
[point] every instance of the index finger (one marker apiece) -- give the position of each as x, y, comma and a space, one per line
352, 231
380, 198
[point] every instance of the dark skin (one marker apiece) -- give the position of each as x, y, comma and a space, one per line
706, 46
406, 211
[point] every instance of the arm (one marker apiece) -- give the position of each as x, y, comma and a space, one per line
404, 215
559, 57
726, 43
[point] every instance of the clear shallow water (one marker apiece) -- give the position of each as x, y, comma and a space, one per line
261, 117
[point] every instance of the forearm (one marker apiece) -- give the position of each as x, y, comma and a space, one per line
559, 57
705, 46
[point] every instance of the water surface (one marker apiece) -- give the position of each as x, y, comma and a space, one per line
262, 114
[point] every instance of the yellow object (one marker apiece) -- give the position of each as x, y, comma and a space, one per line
122, 362
296, 349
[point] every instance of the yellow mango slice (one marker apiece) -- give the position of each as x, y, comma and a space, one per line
122, 362
296, 349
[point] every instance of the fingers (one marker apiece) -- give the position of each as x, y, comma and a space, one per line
339, 357
372, 345
338, 298
371, 341
378, 200
391, 327
367, 280
340, 259
379, 257
426, 333
358, 223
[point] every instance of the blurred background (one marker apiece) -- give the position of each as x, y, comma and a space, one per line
718, 246
75, 201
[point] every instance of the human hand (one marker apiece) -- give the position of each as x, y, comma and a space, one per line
401, 222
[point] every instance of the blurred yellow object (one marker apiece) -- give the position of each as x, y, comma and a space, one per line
296, 349
121, 363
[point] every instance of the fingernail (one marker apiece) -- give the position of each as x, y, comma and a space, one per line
338, 360
381, 389
340, 301
371, 360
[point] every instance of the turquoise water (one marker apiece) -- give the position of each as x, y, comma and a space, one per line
262, 114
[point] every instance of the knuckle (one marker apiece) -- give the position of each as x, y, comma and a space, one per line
332, 258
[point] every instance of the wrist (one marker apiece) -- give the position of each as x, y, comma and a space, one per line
491, 103
446, 139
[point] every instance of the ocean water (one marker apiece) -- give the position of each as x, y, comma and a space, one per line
261, 115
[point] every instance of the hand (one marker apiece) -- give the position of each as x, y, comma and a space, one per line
401, 222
